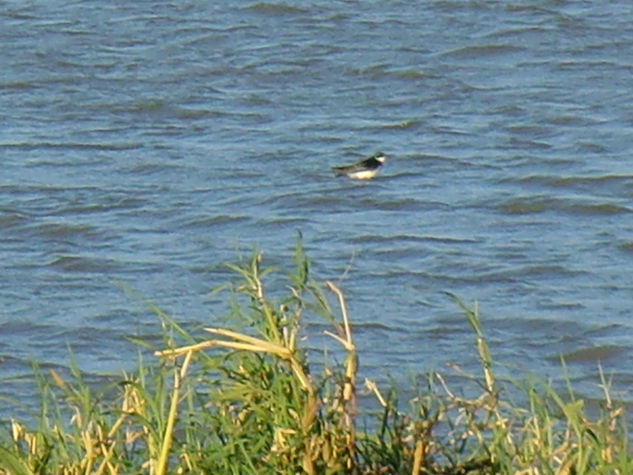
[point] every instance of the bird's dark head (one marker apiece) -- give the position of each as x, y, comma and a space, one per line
379, 156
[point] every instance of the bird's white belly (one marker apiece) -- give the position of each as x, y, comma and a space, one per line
363, 174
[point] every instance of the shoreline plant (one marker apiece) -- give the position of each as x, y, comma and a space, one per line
249, 400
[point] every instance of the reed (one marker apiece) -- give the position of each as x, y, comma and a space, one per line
247, 400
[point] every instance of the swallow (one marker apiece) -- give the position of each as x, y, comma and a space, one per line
365, 169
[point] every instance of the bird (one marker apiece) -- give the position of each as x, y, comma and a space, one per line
365, 169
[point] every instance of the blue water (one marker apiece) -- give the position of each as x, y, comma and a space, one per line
144, 143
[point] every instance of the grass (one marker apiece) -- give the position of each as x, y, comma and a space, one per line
247, 400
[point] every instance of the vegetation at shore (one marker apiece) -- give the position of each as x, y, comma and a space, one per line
249, 400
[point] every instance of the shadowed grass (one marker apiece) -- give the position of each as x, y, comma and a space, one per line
247, 400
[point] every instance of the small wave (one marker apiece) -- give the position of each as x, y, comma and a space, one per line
413, 74
274, 8
598, 208
84, 264
561, 305
282, 221
10, 219
215, 220
329, 201
572, 120
375, 71
411, 238
407, 124
515, 32
590, 180
590, 147
536, 325
17, 85
108, 204
525, 206
479, 51
518, 274
543, 204
571, 180
153, 167
15, 326
369, 326
402, 204
528, 144
143, 106
596, 353
532, 130
544, 270
627, 246
27, 146
197, 113
514, 275
54, 230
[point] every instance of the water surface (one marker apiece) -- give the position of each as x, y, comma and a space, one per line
143, 142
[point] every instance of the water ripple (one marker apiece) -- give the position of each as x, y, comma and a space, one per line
540, 204
144, 142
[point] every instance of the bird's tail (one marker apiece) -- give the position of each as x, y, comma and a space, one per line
338, 171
